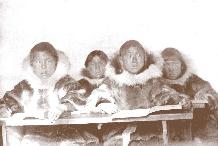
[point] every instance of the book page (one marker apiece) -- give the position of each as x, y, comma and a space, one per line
143, 112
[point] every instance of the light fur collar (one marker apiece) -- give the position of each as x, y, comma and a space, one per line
94, 81
85, 75
62, 69
188, 73
126, 78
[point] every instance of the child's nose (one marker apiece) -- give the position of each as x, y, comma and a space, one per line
134, 59
43, 65
97, 67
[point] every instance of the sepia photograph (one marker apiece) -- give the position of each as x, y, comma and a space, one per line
108, 73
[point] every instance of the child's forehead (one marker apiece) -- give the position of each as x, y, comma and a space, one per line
42, 54
96, 58
133, 49
173, 60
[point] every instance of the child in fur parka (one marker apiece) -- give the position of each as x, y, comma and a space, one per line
36, 95
179, 75
91, 83
133, 80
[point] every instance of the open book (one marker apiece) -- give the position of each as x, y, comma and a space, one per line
143, 112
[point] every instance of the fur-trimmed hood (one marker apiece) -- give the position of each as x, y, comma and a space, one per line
153, 70
85, 75
186, 73
62, 69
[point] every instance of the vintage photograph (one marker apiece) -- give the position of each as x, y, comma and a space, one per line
108, 73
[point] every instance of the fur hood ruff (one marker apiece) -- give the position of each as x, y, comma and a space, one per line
62, 69
187, 73
154, 70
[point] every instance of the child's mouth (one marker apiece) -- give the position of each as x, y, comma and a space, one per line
134, 65
98, 74
44, 74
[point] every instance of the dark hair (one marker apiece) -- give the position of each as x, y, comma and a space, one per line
94, 53
44, 47
173, 53
131, 43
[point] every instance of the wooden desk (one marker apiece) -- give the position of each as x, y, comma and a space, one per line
98, 119
104, 119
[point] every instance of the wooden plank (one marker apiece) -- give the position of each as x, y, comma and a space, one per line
190, 130
127, 133
165, 132
81, 119
199, 105
4, 135
159, 117
199, 101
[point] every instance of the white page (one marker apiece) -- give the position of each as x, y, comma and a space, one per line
143, 112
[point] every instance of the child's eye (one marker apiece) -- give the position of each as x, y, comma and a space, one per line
49, 60
38, 61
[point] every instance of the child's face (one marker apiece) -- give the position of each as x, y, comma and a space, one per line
133, 59
96, 67
172, 69
43, 65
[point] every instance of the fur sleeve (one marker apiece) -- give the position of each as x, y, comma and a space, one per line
202, 90
74, 94
12, 99
98, 96
161, 94
64, 82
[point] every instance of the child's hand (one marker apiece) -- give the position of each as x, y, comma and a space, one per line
108, 108
55, 113
186, 103
5, 112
